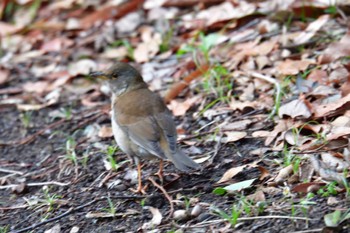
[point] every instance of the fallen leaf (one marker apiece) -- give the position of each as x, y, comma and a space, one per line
37, 87
303, 187
311, 30
284, 174
257, 197
55, 229
239, 186
155, 221
332, 109
4, 75
295, 109
230, 173
225, 11
105, 132
83, 67
336, 50
292, 67
234, 136
180, 108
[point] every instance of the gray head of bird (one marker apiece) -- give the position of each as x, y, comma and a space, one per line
121, 77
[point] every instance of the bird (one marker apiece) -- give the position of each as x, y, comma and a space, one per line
142, 125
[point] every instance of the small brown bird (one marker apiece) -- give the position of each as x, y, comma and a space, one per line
142, 124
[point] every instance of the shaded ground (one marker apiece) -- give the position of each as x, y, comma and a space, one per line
261, 95
44, 160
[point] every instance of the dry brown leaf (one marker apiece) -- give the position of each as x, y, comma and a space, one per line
225, 11
56, 44
292, 67
105, 132
37, 87
4, 76
284, 173
180, 108
256, 197
311, 30
229, 174
319, 76
234, 136
336, 50
261, 134
332, 109
149, 46
6, 29
264, 172
237, 125
83, 67
304, 187
155, 221
324, 172
295, 109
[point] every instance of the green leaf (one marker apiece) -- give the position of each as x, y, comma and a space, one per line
239, 186
219, 191
332, 219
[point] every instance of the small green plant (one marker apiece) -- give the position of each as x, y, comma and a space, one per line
70, 150
50, 200
110, 157
4, 229
26, 118
332, 10
167, 36
127, 45
204, 46
217, 81
232, 218
328, 190
67, 112
143, 202
111, 208
335, 218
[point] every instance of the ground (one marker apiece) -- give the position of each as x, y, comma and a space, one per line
259, 91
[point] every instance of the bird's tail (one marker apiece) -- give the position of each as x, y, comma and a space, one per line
183, 162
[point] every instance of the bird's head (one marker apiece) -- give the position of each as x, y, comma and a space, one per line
121, 77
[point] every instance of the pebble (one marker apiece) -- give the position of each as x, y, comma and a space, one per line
196, 211
180, 215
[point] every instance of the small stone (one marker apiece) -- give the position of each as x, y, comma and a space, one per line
313, 188
180, 215
203, 216
332, 201
196, 211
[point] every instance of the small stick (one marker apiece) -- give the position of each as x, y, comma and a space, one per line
70, 211
10, 171
166, 195
277, 87
35, 184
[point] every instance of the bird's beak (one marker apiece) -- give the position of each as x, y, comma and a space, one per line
99, 74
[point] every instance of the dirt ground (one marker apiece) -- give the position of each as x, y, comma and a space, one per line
260, 91
43, 160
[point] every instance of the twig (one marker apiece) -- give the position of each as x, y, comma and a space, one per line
36, 184
277, 87
166, 195
72, 210
202, 224
216, 149
11, 171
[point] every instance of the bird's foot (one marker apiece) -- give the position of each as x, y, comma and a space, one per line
140, 189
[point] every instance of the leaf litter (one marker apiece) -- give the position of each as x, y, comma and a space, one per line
280, 137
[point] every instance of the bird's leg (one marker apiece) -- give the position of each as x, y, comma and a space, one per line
139, 189
160, 171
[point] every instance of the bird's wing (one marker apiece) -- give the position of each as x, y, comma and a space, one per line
146, 134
